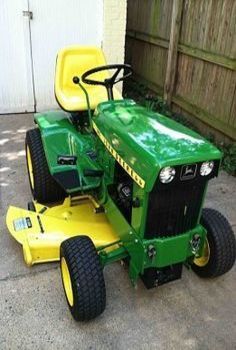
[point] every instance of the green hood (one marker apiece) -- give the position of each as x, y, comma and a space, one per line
149, 141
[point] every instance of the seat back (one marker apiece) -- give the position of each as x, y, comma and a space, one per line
74, 61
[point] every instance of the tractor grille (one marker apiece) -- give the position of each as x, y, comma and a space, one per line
174, 208
173, 211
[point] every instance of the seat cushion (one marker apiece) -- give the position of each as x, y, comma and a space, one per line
74, 61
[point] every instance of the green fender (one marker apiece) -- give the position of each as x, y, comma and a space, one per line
60, 138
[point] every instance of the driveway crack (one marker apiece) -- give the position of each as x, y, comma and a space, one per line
22, 275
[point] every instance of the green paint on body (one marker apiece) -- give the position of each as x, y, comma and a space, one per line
149, 141
60, 137
146, 142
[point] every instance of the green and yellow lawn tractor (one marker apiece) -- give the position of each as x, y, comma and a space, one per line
112, 180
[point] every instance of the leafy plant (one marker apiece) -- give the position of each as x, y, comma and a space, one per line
229, 158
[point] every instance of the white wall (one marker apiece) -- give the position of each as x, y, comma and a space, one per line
55, 24
16, 86
114, 29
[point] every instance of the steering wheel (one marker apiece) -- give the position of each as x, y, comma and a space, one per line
109, 82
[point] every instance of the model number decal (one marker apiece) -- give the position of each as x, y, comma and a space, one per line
119, 159
22, 224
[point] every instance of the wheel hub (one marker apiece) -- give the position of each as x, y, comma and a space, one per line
67, 282
203, 260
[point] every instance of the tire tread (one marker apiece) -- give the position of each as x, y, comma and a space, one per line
222, 244
86, 276
46, 189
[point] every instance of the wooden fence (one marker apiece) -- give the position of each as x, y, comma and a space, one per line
185, 50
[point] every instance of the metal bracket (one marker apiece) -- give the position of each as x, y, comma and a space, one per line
28, 14
66, 160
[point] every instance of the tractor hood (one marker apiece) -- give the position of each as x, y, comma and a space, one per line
146, 141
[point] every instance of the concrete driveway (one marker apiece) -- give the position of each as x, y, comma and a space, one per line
190, 313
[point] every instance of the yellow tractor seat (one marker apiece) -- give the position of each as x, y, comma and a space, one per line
74, 61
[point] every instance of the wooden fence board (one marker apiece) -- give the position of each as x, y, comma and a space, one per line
206, 69
173, 51
209, 25
149, 61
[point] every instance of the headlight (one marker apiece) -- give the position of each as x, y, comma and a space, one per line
167, 174
206, 168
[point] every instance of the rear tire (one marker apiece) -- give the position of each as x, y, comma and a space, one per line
43, 186
220, 246
82, 278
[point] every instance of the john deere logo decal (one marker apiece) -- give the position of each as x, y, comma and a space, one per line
119, 159
188, 172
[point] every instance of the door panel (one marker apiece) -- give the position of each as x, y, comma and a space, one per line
55, 24
16, 86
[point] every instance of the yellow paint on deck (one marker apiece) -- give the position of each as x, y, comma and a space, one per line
41, 242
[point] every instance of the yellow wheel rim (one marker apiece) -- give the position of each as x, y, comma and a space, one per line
30, 167
67, 282
203, 260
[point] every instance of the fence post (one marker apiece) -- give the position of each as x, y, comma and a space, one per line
173, 50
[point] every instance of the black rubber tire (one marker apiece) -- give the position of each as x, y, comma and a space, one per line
222, 244
86, 274
46, 189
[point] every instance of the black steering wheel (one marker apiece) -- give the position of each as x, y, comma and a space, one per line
109, 82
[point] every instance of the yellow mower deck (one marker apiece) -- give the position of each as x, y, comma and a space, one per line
40, 233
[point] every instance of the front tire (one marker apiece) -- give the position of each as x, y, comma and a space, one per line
82, 278
219, 250
43, 186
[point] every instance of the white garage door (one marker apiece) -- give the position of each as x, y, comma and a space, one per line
16, 86
30, 44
